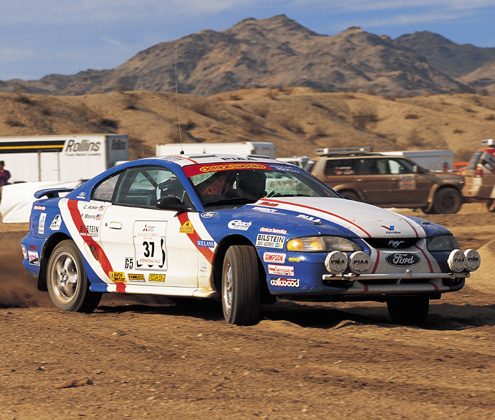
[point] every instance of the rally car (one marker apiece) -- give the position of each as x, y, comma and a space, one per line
246, 230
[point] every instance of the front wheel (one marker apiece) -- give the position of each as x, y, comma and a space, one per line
447, 201
241, 286
490, 206
408, 310
350, 195
67, 283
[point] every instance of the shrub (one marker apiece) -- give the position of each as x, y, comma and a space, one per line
411, 117
363, 119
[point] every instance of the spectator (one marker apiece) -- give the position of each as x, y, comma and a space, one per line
4, 174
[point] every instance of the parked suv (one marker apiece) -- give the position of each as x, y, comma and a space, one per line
387, 181
479, 176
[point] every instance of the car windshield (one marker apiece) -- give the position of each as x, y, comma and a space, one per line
237, 184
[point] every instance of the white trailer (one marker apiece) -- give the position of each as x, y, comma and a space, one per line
243, 148
433, 160
61, 157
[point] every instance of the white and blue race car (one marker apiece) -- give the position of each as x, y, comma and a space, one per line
243, 229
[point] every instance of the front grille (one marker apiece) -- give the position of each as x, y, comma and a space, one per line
392, 243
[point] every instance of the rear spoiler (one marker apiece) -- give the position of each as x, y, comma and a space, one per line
52, 192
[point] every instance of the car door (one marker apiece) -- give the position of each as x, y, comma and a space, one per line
145, 244
410, 187
374, 180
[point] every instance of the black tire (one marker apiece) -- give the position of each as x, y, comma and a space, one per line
350, 195
66, 280
447, 201
241, 286
407, 310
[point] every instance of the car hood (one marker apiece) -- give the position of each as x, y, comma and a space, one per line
326, 214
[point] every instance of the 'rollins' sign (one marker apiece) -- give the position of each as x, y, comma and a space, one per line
82, 146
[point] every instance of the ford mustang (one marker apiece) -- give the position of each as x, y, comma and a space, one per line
245, 230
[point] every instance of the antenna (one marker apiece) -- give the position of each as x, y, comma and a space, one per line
177, 99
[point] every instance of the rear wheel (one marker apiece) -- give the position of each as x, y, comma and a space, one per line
241, 286
408, 309
67, 283
447, 201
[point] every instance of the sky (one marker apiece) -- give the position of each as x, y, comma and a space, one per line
40, 37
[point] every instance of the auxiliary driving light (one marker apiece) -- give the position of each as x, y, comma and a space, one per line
473, 259
359, 262
456, 261
336, 262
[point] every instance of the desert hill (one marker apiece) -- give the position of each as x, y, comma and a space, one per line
297, 120
279, 52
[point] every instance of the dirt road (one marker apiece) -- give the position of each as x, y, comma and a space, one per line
137, 359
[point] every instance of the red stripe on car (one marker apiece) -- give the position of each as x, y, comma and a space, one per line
89, 240
322, 211
194, 237
430, 266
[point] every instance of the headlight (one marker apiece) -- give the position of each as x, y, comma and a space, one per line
442, 243
322, 244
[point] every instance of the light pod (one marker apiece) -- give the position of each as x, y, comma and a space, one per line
359, 262
336, 262
456, 261
473, 259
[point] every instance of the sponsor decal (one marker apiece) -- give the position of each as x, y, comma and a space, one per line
33, 257
239, 225
270, 241
390, 230
41, 224
394, 243
265, 210
56, 222
117, 276
309, 218
281, 270
89, 216
136, 277
149, 245
89, 230
156, 277
40, 208
402, 259
274, 257
268, 204
24, 252
295, 259
407, 184
205, 244
273, 230
81, 195
209, 214
283, 282
187, 227
219, 167
203, 267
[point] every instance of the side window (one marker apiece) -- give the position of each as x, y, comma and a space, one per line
340, 167
398, 167
373, 167
104, 191
145, 186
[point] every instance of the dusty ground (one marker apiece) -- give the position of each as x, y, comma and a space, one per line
138, 359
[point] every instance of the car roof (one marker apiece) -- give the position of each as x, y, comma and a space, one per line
192, 159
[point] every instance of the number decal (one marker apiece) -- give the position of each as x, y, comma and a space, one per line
149, 245
129, 263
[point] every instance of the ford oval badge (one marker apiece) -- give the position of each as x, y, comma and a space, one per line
402, 258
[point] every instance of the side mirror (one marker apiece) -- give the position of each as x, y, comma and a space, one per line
171, 203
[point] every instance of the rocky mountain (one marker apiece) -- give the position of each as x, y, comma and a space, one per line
279, 52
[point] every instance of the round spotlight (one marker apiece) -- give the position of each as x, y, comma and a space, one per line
473, 259
456, 261
336, 262
359, 262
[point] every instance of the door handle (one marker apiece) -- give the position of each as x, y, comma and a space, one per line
115, 225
